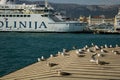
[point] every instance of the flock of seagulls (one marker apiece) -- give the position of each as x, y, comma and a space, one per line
81, 53
86, 48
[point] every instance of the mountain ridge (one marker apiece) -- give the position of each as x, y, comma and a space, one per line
75, 10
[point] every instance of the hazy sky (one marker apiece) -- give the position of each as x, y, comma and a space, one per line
85, 1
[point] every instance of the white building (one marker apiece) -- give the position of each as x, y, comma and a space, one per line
117, 21
97, 20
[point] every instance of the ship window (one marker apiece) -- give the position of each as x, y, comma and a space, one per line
21, 15
17, 15
6, 7
24, 15
10, 15
44, 15
6, 15
28, 15
3, 15
46, 10
14, 15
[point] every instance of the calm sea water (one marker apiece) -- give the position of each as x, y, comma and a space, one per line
18, 50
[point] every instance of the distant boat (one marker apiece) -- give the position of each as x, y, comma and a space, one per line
102, 27
34, 18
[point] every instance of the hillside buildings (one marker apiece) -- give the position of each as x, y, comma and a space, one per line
96, 20
117, 21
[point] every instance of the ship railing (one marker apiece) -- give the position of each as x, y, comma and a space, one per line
16, 6
24, 7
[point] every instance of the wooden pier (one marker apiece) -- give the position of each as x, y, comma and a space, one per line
73, 66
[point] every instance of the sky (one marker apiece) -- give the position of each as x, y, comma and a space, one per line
89, 2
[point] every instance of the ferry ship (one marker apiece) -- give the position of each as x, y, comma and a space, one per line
34, 18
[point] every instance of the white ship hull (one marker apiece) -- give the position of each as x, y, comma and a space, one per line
37, 23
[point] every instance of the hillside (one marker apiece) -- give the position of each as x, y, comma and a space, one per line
75, 10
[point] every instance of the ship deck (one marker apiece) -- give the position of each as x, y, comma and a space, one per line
73, 67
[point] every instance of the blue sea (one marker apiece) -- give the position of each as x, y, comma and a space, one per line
18, 50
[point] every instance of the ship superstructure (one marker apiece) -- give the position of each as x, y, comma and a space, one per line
34, 18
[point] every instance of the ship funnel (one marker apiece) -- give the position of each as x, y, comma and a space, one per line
3, 2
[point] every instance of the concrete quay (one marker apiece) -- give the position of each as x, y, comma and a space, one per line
89, 63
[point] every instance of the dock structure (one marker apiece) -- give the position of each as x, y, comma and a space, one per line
73, 66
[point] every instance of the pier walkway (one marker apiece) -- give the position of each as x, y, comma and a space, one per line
73, 66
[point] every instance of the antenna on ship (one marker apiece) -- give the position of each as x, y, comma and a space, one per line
46, 3
89, 20
115, 23
119, 11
